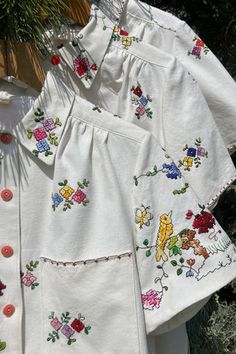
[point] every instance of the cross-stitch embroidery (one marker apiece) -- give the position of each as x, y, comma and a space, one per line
44, 135
120, 34
183, 251
3, 345
68, 195
194, 155
141, 101
29, 279
2, 287
67, 327
198, 48
143, 216
82, 67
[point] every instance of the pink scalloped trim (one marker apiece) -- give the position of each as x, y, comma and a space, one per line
212, 201
88, 261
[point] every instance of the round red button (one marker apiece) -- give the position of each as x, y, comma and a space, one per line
55, 59
6, 194
7, 251
6, 138
8, 310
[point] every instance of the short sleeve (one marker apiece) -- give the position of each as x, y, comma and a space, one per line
218, 87
192, 138
183, 255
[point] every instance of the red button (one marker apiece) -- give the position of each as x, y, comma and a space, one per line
8, 310
7, 251
6, 194
55, 59
6, 138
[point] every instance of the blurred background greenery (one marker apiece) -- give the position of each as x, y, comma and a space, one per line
213, 329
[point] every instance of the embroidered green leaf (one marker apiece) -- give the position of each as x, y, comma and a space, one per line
179, 271
146, 242
3, 346
148, 253
174, 263
181, 260
157, 280
58, 122
65, 182
87, 329
36, 153
165, 288
159, 267
135, 180
71, 340
29, 267
29, 133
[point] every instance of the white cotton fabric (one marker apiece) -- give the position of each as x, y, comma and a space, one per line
94, 219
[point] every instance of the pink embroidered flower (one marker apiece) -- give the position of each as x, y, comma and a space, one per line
151, 299
39, 134
28, 279
201, 152
94, 67
77, 325
67, 331
49, 124
196, 51
79, 196
200, 43
56, 324
203, 222
189, 214
141, 110
191, 262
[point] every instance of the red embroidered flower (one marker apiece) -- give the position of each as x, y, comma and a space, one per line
94, 67
191, 262
200, 43
138, 92
123, 32
77, 325
189, 214
203, 222
80, 70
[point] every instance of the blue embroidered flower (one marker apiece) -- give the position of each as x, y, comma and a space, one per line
57, 199
191, 152
171, 170
143, 100
189, 273
42, 145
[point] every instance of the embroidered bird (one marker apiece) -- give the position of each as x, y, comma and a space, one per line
163, 235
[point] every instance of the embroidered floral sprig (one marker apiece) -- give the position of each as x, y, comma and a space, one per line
120, 34
141, 101
194, 155
198, 48
68, 195
44, 135
29, 279
66, 327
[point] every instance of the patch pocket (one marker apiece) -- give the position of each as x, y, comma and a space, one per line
88, 307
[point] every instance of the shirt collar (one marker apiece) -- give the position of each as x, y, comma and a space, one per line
86, 52
41, 128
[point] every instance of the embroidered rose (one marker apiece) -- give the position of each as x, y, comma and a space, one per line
28, 279
77, 325
203, 222
151, 299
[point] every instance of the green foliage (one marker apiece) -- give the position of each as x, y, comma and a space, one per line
27, 20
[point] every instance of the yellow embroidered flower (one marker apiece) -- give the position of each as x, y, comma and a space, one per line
127, 41
66, 192
188, 161
143, 216
116, 29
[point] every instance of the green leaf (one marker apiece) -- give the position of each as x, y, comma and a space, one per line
88, 328
181, 260
145, 242
157, 280
3, 346
179, 271
174, 263
148, 253
86, 331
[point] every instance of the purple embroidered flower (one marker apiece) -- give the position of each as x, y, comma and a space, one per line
143, 100
189, 273
28, 279
49, 124
43, 146
197, 51
57, 199
67, 331
151, 299
39, 134
56, 324
201, 151
140, 110
79, 196
191, 152
171, 171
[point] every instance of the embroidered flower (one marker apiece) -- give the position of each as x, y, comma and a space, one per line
201, 152
203, 222
43, 146
49, 124
141, 101
200, 43
198, 48
39, 134
121, 34
151, 299
171, 170
67, 331
57, 199
82, 66
56, 324
191, 262
189, 273
143, 216
66, 192
28, 279
194, 155
77, 325
2, 287
79, 196
196, 51
189, 214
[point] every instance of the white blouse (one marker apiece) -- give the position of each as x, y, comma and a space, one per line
94, 238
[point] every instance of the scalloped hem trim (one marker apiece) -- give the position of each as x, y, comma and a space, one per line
214, 199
